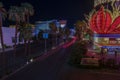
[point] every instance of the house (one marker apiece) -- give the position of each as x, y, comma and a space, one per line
8, 36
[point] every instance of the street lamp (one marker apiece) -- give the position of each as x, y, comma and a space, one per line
62, 26
57, 25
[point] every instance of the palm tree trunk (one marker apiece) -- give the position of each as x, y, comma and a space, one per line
3, 48
25, 43
28, 45
15, 43
16, 31
27, 19
1, 34
29, 50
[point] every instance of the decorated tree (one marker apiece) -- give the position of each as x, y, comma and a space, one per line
79, 27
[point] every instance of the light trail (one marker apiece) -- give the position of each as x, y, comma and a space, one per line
70, 43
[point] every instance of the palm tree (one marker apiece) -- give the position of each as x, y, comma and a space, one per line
79, 27
61, 34
25, 34
53, 28
29, 11
67, 33
16, 14
2, 16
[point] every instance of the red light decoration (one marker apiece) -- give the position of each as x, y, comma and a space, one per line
101, 22
92, 23
115, 25
108, 21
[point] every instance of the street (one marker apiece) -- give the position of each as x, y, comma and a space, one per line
45, 69
53, 66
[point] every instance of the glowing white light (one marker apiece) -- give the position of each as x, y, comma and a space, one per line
31, 60
27, 62
62, 25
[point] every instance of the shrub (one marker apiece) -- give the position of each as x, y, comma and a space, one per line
78, 51
110, 63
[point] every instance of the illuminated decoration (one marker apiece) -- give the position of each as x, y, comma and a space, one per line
104, 21
98, 2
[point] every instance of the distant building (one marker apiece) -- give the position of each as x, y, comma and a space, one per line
44, 26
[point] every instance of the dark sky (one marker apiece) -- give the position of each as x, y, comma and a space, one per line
70, 10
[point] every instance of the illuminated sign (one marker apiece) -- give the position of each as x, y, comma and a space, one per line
112, 49
107, 35
45, 35
113, 41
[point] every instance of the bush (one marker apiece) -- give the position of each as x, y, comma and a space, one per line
110, 63
78, 51
6, 46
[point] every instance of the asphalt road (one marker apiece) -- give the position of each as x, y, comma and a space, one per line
53, 66
43, 69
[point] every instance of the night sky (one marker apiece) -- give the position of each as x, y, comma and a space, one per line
71, 10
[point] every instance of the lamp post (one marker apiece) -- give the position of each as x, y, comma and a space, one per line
62, 26
58, 25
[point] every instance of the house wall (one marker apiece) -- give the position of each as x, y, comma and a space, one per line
8, 33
